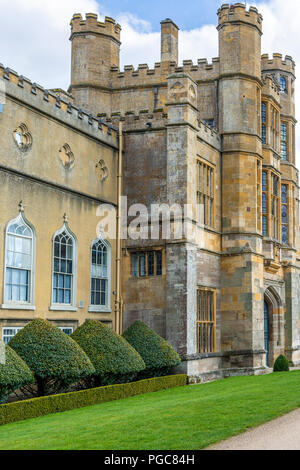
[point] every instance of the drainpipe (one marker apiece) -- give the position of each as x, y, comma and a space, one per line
118, 300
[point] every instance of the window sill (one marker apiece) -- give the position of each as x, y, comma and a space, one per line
94, 309
147, 277
17, 307
63, 308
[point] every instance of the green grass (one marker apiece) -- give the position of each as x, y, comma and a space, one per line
190, 417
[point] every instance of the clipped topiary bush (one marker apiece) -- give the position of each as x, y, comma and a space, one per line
158, 354
56, 360
281, 364
115, 361
14, 374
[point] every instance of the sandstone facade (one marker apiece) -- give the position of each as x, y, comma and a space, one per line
218, 137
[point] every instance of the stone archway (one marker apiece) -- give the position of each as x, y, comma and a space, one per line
275, 324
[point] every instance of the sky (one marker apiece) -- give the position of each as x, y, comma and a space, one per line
34, 33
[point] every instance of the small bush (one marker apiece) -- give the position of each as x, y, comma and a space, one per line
42, 406
115, 361
14, 374
158, 354
55, 359
281, 364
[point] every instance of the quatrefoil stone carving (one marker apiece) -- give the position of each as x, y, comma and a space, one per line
22, 138
102, 170
67, 157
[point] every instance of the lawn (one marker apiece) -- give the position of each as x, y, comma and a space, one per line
182, 418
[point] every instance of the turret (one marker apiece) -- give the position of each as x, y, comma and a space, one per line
240, 86
240, 67
283, 72
95, 49
169, 41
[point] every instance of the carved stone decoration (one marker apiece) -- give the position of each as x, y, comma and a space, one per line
102, 170
177, 90
192, 93
22, 138
67, 157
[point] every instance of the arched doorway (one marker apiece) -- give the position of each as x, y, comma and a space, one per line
273, 325
266, 331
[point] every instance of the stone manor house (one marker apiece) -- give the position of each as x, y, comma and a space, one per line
220, 135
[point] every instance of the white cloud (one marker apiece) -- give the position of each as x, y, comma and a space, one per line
34, 37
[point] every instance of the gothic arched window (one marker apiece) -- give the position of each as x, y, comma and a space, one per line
64, 269
100, 275
19, 263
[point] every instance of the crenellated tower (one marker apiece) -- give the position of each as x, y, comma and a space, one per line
95, 49
239, 120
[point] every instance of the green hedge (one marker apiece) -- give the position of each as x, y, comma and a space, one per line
42, 406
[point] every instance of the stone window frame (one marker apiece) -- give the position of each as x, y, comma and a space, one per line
275, 206
273, 201
284, 140
141, 269
5, 336
275, 119
16, 330
285, 204
206, 320
264, 121
206, 192
70, 307
283, 80
107, 307
29, 304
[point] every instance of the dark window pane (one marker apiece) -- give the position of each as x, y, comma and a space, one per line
264, 226
284, 214
158, 263
283, 84
264, 181
284, 193
284, 234
151, 264
142, 265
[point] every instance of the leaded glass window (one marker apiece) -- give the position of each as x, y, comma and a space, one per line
9, 332
205, 194
283, 141
99, 274
264, 122
283, 84
63, 268
206, 321
264, 203
146, 264
284, 213
18, 262
274, 206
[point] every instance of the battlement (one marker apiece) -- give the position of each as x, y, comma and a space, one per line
238, 13
209, 135
271, 88
142, 120
92, 25
156, 120
55, 105
144, 75
143, 115
278, 63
